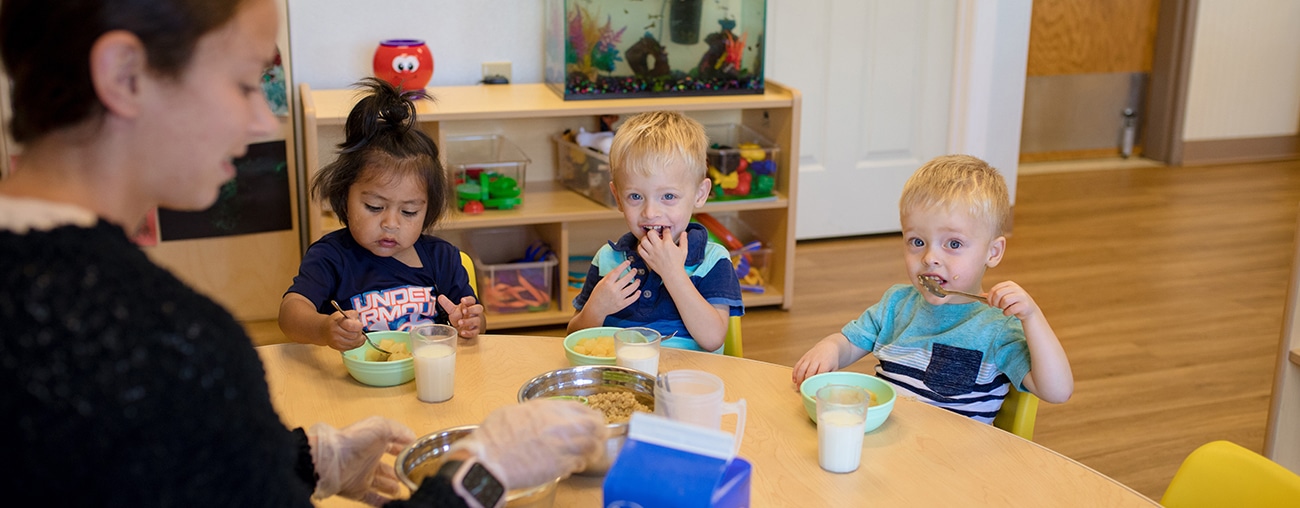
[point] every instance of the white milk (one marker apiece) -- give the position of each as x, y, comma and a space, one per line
644, 359
435, 372
839, 440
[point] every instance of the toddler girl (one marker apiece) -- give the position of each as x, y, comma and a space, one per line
387, 187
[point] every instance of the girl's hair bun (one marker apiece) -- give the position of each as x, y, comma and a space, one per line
384, 108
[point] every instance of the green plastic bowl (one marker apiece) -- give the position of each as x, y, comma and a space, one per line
380, 373
576, 358
876, 414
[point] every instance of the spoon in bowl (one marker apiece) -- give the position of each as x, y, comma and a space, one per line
368, 341
932, 283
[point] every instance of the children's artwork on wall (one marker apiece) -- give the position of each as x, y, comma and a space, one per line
255, 201
273, 86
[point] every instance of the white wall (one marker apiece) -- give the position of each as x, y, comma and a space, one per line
1245, 71
334, 41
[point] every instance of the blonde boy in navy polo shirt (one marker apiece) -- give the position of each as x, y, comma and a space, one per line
665, 273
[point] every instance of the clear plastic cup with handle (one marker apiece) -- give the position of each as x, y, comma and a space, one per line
697, 397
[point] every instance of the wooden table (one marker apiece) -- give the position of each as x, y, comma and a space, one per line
920, 456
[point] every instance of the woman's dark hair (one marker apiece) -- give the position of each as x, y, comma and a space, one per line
46, 46
380, 133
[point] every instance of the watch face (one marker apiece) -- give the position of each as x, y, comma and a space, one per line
482, 485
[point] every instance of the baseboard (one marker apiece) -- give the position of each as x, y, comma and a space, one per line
1109, 163
1072, 155
1241, 150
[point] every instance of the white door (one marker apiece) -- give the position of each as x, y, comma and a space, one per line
876, 78
888, 85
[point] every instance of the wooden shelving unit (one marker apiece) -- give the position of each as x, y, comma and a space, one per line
528, 115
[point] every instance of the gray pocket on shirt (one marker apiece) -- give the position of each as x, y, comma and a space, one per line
952, 370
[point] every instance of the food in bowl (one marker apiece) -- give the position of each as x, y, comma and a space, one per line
398, 349
597, 333
380, 373
599, 346
616, 406
882, 394
589, 380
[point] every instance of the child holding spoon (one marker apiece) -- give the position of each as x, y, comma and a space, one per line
387, 188
953, 351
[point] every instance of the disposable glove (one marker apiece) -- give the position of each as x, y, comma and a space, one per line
347, 460
538, 441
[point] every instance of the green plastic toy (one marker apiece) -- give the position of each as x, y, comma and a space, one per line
492, 190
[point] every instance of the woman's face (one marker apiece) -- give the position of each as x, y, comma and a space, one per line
194, 125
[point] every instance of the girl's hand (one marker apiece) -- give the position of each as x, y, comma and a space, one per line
618, 289
1013, 300
662, 254
345, 331
466, 316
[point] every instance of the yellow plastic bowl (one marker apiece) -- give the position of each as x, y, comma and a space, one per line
576, 358
876, 414
380, 373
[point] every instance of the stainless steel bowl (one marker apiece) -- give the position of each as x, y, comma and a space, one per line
588, 380
423, 458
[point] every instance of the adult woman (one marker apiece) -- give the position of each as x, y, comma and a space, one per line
122, 385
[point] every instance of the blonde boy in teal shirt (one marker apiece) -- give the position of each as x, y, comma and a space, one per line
954, 351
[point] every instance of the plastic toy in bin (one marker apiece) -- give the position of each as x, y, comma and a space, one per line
741, 162
750, 278
584, 169
742, 255
482, 189
745, 173
522, 289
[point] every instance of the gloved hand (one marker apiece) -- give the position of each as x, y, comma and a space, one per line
538, 441
347, 459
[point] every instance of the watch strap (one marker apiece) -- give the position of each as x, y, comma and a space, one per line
456, 471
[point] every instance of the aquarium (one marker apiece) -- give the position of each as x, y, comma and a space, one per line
606, 49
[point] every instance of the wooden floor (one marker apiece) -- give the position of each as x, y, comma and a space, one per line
1165, 285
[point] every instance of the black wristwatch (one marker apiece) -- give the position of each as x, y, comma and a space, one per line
473, 483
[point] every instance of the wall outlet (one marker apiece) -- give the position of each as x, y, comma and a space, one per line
491, 69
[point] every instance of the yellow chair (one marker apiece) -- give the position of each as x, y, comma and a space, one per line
1221, 473
469, 269
1018, 413
731, 345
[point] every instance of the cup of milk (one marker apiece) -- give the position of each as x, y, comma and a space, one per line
841, 422
637, 348
434, 350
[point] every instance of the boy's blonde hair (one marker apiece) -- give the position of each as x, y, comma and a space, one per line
963, 183
649, 142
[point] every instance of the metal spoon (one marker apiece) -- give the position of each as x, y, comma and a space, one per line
932, 283
368, 341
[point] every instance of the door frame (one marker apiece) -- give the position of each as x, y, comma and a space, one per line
1170, 73
990, 63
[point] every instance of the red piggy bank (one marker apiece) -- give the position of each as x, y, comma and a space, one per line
406, 63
